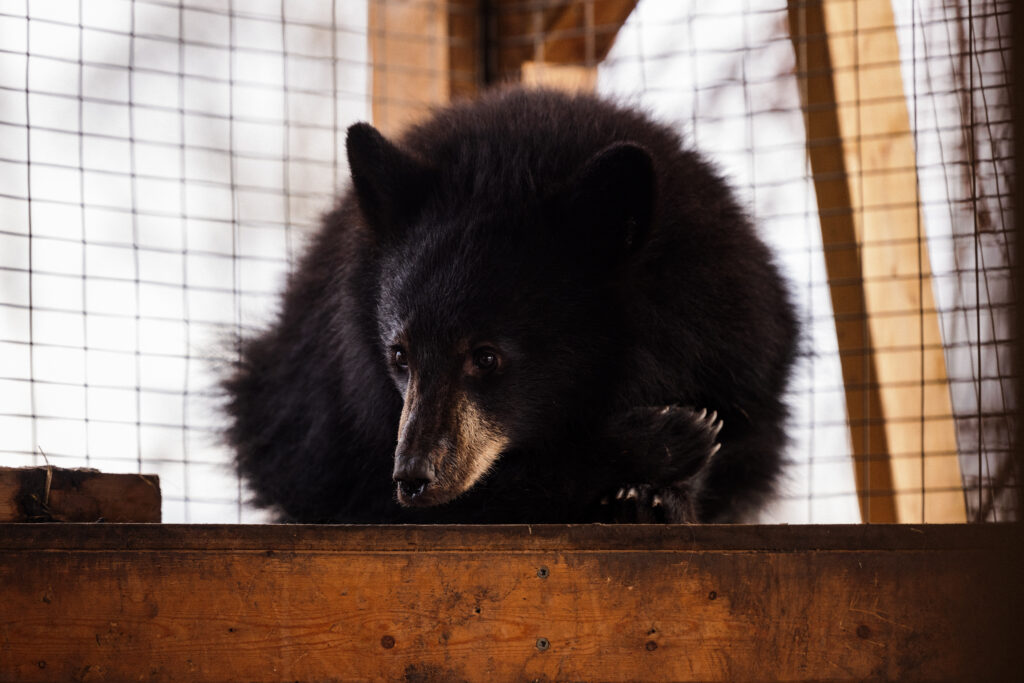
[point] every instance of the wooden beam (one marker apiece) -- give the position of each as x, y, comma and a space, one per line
861, 150
582, 31
53, 494
715, 603
565, 33
423, 53
559, 76
465, 48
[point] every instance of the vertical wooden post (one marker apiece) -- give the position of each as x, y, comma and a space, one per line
862, 154
422, 54
465, 48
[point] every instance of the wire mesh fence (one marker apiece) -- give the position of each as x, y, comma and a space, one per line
162, 162
728, 77
735, 76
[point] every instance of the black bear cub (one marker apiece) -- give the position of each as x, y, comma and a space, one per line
534, 307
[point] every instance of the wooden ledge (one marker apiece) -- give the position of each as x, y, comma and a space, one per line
275, 603
358, 538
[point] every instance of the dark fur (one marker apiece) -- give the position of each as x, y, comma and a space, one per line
620, 284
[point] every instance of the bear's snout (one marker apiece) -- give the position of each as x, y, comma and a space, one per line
413, 474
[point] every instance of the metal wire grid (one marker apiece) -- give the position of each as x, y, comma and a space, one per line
728, 76
967, 177
165, 257
725, 76
160, 165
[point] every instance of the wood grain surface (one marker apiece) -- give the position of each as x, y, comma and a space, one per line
54, 494
860, 146
299, 603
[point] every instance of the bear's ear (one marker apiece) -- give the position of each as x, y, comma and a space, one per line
611, 198
390, 184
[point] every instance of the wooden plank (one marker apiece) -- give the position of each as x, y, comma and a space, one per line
843, 263
422, 54
235, 603
53, 494
408, 44
566, 33
465, 53
582, 32
861, 150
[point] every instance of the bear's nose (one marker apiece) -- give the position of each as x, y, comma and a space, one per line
413, 474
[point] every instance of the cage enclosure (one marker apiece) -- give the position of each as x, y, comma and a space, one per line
163, 165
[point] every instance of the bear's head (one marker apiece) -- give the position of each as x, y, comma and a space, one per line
497, 296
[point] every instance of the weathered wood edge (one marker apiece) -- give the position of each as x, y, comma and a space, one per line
57, 494
288, 603
1001, 537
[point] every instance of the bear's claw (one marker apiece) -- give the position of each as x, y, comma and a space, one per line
668, 449
646, 504
664, 444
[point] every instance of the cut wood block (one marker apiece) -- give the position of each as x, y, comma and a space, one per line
52, 494
610, 603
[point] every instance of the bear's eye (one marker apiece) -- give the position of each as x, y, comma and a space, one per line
485, 359
399, 358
